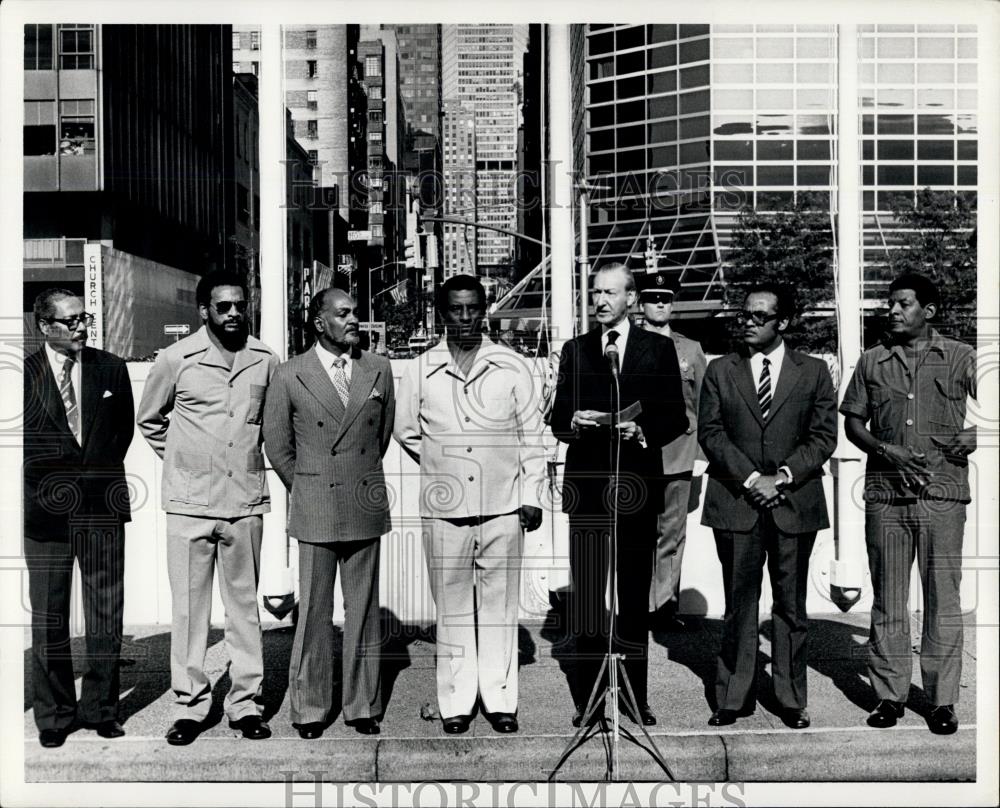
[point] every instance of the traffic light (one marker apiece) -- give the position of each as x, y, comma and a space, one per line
650, 256
410, 252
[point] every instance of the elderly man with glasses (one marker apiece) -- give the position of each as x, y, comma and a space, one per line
77, 427
202, 413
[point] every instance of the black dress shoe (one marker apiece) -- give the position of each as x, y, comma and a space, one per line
942, 720
183, 732
457, 724
252, 726
52, 738
106, 729
796, 718
886, 714
503, 722
645, 714
597, 715
310, 731
366, 726
723, 717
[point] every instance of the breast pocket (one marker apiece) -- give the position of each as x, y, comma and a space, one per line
880, 402
947, 404
255, 412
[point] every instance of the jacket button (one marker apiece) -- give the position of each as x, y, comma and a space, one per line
319, 424
362, 451
471, 478
467, 419
229, 474
230, 444
468, 448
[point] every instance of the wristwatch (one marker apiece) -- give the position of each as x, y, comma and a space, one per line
882, 449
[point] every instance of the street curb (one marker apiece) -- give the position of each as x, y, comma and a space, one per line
865, 755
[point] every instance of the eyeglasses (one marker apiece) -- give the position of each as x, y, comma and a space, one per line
224, 306
73, 323
756, 317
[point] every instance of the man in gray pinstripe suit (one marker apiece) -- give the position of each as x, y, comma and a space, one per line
327, 424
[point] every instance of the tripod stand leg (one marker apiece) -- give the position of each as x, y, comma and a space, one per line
585, 726
630, 702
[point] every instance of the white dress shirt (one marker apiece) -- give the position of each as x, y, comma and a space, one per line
776, 359
622, 328
329, 362
56, 362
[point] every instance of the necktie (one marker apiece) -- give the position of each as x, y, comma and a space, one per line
764, 389
340, 379
69, 398
612, 337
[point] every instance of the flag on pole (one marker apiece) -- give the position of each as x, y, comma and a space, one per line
399, 293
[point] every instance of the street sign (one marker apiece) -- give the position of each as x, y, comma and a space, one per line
178, 329
359, 235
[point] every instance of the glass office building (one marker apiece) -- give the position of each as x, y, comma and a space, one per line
685, 125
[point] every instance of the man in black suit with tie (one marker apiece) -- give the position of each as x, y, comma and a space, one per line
650, 376
767, 421
78, 424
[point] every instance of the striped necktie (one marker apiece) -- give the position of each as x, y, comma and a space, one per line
340, 379
69, 397
764, 389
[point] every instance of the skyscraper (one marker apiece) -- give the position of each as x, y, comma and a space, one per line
481, 69
420, 75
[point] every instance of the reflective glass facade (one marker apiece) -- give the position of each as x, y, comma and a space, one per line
686, 124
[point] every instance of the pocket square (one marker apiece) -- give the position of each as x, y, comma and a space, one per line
107, 394
375, 395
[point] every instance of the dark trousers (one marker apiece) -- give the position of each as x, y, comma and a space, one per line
933, 532
589, 559
99, 549
742, 556
310, 671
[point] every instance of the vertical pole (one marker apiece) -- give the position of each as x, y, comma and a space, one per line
275, 575
561, 200
584, 274
847, 571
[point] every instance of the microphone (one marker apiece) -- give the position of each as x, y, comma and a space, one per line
611, 353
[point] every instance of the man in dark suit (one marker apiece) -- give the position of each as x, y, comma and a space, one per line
649, 376
767, 422
327, 424
78, 412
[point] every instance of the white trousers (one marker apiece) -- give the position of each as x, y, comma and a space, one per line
474, 567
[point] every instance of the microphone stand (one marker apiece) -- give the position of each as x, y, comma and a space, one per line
613, 663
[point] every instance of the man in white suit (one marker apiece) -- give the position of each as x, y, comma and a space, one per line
468, 414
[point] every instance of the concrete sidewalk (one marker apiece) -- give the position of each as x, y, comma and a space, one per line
837, 747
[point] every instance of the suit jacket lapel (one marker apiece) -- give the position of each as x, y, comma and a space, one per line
634, 348
315, 379
743, 381
787, 381
592, 349
91, 382
46, 392
363, 377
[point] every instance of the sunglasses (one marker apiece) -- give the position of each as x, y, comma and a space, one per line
224, 306
756, 317
73, 323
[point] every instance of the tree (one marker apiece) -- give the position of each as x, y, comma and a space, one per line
401, 319
935, 241
792, 247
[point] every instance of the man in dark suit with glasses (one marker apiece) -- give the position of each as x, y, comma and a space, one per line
767, 422
78, 425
